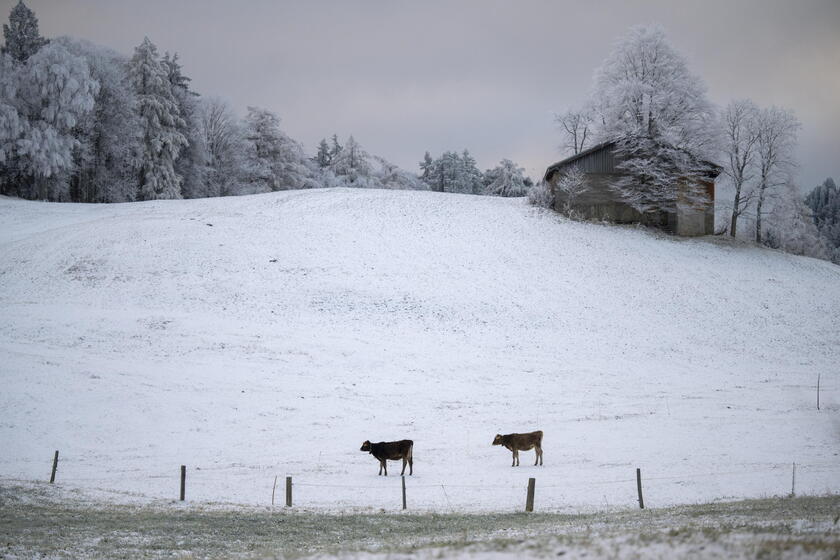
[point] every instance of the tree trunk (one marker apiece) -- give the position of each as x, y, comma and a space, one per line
735, 211
758, 206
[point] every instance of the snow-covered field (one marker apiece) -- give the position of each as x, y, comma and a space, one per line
270, 335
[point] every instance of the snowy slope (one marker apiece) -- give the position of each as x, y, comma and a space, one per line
270, 335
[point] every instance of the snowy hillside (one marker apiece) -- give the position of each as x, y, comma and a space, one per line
270, 335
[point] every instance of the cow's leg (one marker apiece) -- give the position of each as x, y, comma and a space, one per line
541, 456
410, 465
537, 455
380, 467
385, 466
405, 462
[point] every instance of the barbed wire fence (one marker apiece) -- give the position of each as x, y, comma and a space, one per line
513, 494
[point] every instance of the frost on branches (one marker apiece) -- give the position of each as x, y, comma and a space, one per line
571, 184
506, 179
54, 91
160, 121
273, 160
657, 113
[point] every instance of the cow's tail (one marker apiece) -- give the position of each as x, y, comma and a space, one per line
410, 450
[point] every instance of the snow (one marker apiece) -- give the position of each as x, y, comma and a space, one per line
270, 335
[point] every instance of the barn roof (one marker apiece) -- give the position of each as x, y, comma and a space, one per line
569, 160
713, 169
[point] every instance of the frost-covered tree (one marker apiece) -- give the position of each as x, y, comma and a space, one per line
22, 36
656, 111
352, 164
452, 172
335, 147
224, 138
389, 176
775, 147
323, 157
569, 187
105, 161
160, 121
540, 195
740, 134
790, 226
506, 179
55, 91
10, 120
576, 127
275, 161
426, 167
470, 179
824, 203
191, 164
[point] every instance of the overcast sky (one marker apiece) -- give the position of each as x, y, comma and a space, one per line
406, 77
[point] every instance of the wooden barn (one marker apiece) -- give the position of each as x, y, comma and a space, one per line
598, 201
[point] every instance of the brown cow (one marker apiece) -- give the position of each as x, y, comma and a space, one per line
392, 450
522, 442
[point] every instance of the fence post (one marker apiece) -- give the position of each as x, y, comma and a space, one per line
288, 491
403, 490
639, 488
818, 391
183, 482
55, 466
529, 500
793, 482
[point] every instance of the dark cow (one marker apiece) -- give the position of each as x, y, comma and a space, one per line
392, 450
521, 442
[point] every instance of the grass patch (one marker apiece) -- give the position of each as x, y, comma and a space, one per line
34, 522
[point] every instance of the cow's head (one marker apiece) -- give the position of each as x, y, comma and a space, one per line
365, 446
497, 440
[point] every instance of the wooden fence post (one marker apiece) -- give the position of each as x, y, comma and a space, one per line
55, 466
288, 491
529, 500
793, 482
818, 391
183, 482
273, 488
403, 490
639, 488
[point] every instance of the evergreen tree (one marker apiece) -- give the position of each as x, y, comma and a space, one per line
324, 156
335, 147
21, 34
275, 161
160, 121
426, 167
452, 172
191, 164
470, 180
824, 204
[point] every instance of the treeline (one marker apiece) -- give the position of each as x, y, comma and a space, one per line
82, 123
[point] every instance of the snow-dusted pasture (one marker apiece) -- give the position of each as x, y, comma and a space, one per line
270, 335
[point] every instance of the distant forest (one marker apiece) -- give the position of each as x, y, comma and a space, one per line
82, 123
